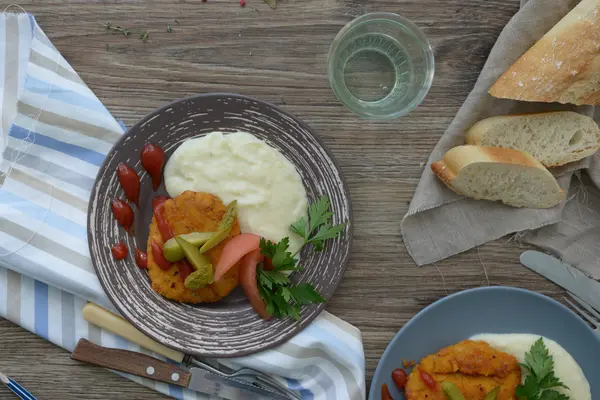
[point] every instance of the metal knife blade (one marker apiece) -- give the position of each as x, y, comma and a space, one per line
113, 323
229, 388
563, 275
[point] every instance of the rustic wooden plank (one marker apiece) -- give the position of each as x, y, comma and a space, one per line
280, 56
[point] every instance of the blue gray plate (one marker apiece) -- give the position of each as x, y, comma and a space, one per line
489, 310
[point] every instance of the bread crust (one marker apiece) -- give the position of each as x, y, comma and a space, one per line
563, 66
451, 164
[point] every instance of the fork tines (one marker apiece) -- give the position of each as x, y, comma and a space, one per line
592, 315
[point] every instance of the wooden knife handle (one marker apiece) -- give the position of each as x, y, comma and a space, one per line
130, 362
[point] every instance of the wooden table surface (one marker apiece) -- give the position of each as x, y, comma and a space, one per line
280, 56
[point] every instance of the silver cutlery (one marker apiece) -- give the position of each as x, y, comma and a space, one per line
104, 319
563, 275
592, 315
152, 368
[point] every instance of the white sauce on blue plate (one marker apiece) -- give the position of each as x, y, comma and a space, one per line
565, 366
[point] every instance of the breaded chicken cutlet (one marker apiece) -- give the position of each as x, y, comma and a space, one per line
186, 213
475, 367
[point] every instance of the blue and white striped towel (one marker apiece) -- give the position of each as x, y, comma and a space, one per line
55, 134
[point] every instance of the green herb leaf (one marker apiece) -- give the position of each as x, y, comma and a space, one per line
306, 294
267, 248
169, 29
553, 395
551, 381
283, 299
539, 360
539, 365
299, 228
144, 36
277, 278
529, 389
318, 213
325, 232
281, 258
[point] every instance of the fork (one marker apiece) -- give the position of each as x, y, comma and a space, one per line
591, 315
249, 375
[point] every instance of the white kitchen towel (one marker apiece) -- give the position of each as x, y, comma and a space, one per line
55, 134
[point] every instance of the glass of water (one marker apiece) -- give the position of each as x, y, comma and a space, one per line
381, 66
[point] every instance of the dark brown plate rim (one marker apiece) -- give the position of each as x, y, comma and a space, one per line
305, 319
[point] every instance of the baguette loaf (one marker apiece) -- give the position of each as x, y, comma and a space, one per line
563, 66
494, 173
553, 138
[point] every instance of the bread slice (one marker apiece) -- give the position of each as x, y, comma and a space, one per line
553, 138
493, 173
563, 66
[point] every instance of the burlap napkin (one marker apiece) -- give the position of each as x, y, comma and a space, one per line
440, 223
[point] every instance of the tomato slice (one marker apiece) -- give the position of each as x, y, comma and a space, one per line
236, 248
159, 259
248, 282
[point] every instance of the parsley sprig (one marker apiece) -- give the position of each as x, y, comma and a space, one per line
282, 298
318, 228
540, 380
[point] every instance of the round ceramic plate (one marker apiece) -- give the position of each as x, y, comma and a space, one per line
228, 328
488, 310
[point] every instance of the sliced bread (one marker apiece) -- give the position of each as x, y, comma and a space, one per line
563, 66
553, 138
494, 173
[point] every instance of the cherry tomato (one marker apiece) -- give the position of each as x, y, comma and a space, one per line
119, 251
427, 379
385, 392
399, 377
159, 259
185, 269
153, 160
141, 258
163, 226
123, 213
130, 181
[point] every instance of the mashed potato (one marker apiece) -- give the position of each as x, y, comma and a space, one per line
239, 166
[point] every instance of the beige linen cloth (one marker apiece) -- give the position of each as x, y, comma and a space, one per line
440, 223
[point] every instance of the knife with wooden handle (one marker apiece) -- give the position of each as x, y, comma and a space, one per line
113, 323
130, 362
110, 322
197, 379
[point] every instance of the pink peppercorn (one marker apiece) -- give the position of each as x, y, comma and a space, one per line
243, 3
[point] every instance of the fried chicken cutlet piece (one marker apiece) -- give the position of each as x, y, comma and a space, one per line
473, 366
186, 213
